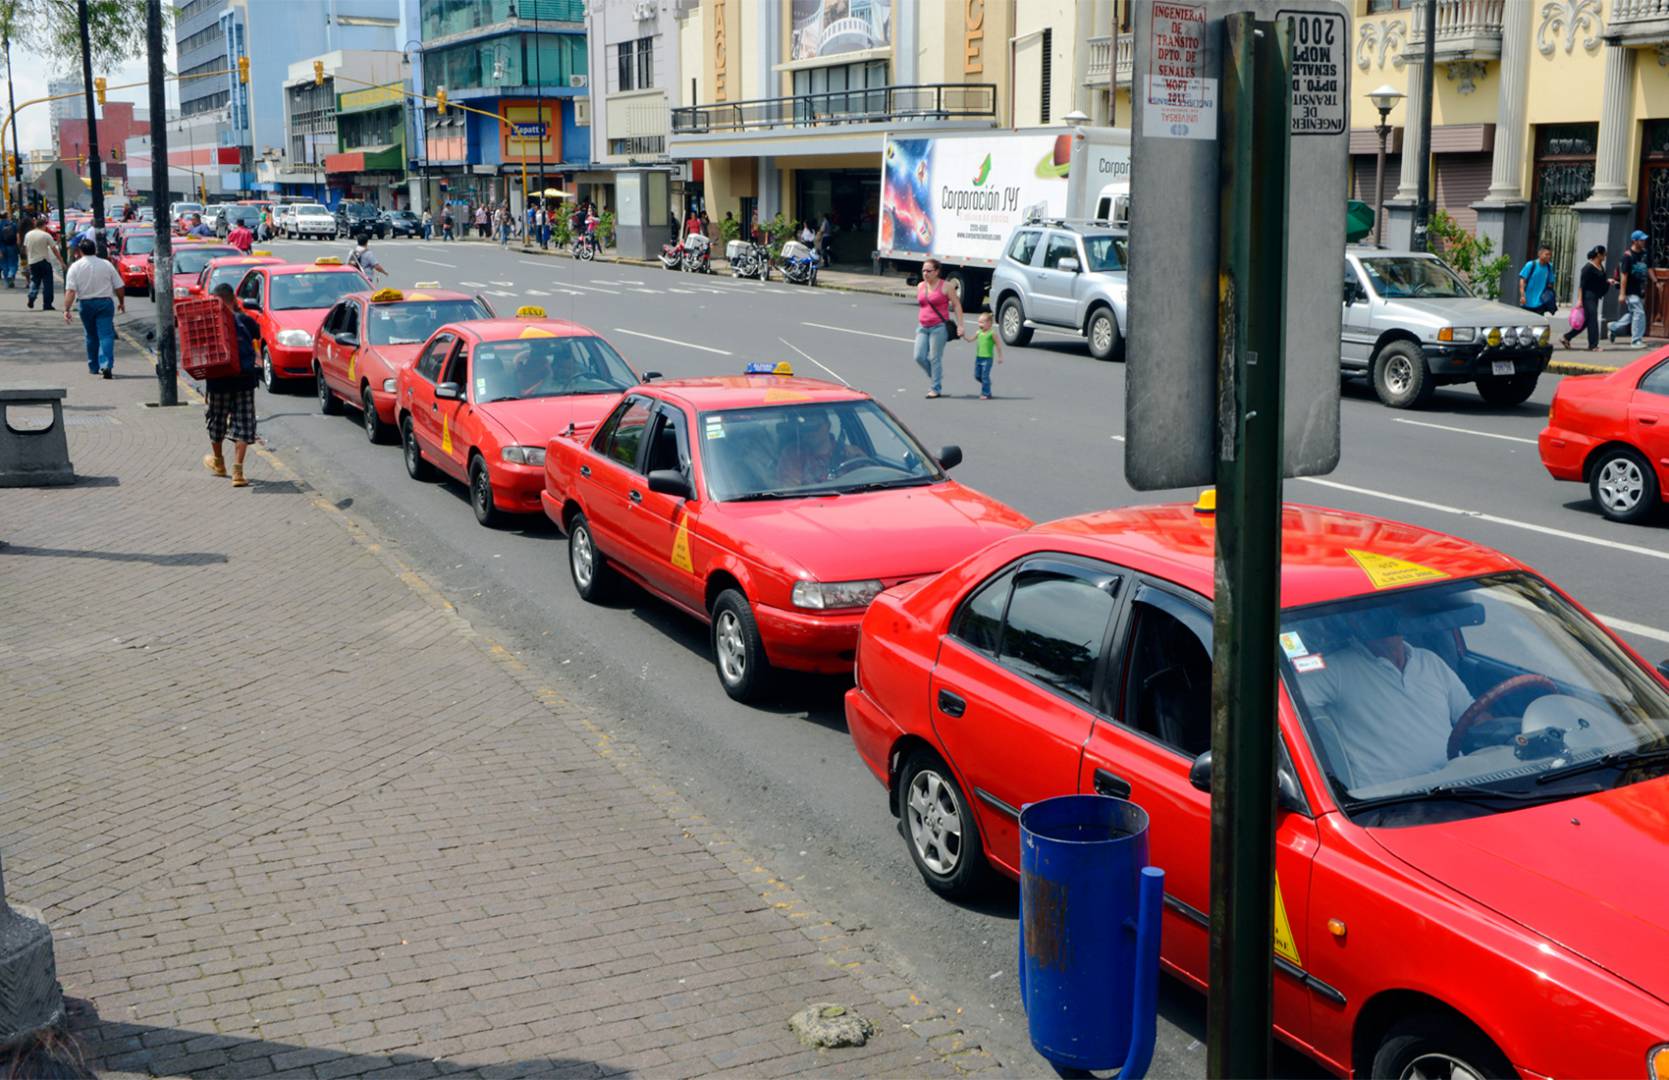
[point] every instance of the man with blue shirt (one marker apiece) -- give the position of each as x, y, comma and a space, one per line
1535, 284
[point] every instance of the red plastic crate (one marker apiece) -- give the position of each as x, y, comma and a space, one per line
207, 339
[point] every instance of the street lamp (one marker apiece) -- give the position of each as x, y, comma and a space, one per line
1384, 99
418, 110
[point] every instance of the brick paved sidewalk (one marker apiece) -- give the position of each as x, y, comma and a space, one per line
290, 814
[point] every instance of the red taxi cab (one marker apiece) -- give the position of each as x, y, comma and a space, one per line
289, 302
484, 398
773, 508
1611, 432
1473, 806
224, 270
368, 337
133, 258
188, 261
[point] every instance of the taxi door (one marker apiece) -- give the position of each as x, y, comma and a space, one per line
607, 476
451, 414
1011, 694
326, 351
1648, 421
251, 297
665, 525
1159, 722
345, 356
421, 402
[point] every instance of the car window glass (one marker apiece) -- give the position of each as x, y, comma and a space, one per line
250, 289
550, 367
668, 448
428, 365
1107, 252
627, 436
605, 430
1657, 380
1167, 685
1020, 249
457, 366
350, 320
980, 622
1060, 247
333, 322
1054, 630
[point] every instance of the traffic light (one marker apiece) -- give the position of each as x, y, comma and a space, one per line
98, 88
243, 70
440, 101
318, 73
116, 154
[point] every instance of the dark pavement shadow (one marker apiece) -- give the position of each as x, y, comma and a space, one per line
184, 558
274, 487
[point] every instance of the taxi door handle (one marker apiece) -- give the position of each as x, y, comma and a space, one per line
951, 704
636, 496
1107, 783
1648, 419
585, 470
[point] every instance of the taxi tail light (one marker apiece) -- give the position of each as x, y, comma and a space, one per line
1657, 1063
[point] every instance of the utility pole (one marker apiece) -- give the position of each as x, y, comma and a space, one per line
94, 165
1422, 187
539, 77
168, 390
11, 108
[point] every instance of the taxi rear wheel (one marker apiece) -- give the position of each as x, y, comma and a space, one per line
375, 430
738, 650
1436, 1046
1624, 485
594, 579
416, 467
481, 494
939, 829
327, 398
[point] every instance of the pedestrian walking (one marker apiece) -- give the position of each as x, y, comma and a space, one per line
1591, 287
231, 399
825, 233
38, 248
808, 235
96, 286
241, 238
481, 221
428, 226
692, 225
446, 223
1536, 289
986, 347
544, 227
1633, 277
361, 259
501, 218
936, 307
9, 238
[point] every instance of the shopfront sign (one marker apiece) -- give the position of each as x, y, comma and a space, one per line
720, 75
527, 134
973, 37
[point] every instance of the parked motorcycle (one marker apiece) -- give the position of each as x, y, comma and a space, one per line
799, 263
698, 254
672, 255
748, 259
585, 247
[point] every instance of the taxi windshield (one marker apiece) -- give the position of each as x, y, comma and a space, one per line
548, 367
1410, 278
1469, 697
1107, 252
138, 243
190, 261
412, 322
320, 289
816, 448
226, 275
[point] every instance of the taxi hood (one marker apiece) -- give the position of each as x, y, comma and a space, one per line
308, 319
536, 421
395, 356
901, 533
1588, 873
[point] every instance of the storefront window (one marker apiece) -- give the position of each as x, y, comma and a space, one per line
443, 17
380, 127
510, 60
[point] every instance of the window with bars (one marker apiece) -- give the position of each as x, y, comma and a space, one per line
635, 64
1046, 69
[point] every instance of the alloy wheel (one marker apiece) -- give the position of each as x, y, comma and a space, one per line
1399, 375
583, 557
1621, 484
1439, 1067
935, 819
368, 415
1011, 320
733, 651
1101, 334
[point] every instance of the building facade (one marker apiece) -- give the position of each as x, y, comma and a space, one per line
65, 108
119, 121
312, 126
1550, 125
635, 66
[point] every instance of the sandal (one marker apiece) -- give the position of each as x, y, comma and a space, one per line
932, 394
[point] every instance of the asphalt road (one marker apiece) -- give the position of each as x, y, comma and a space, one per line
784, 779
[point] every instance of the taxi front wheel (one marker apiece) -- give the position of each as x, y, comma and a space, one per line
1438, 1046
738, 650
481, 494
594, 579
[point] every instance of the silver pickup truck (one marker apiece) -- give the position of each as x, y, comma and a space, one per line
1411, 325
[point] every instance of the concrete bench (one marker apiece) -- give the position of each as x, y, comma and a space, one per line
34, 457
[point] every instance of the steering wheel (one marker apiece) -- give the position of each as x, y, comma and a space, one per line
1481, 705
852, 463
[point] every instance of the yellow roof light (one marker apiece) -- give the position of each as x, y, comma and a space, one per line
260, 254
530, 311
428, 285
327, 260
1207, 502
387, 296
783, 368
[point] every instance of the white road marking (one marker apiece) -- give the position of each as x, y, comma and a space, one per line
589, 288
686, 292
651, 292
625, 281
504, 284
499, 292
1623, 626
432, 262
1466, 431
864, 333
543, 264
669, 341
474, 284
814, 360
1478, 515
538, 292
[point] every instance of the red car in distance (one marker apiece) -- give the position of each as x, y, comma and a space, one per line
225, 270
772, 508
189, 258
1473, 800
133, 258
368, 337
289, 302
1611, 432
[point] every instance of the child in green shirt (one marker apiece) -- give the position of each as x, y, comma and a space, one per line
986, 346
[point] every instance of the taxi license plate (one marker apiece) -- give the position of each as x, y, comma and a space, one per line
1501, 367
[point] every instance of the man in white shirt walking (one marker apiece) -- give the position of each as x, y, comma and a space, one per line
38, 251
97, 287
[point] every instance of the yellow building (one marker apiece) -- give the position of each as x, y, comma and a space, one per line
786, 102
1550, 123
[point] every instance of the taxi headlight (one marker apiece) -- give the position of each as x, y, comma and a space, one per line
1456, 333
1657, 1062
523, 455
825, 595
295, 339
388, 386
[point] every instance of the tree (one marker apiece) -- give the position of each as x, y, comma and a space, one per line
116, 29
1473, 257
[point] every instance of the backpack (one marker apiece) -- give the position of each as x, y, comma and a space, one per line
8, 234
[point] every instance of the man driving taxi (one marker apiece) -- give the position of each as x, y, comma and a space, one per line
811, 454
1393, 704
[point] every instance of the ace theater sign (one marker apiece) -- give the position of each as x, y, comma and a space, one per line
527, 135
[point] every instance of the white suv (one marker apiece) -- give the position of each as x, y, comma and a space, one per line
1069, 276
307, 220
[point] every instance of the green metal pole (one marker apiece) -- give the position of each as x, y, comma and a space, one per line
1252, 287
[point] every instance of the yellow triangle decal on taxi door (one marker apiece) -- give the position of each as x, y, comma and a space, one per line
1285, 947
353, 366
681, 548
1385, 572
445, 434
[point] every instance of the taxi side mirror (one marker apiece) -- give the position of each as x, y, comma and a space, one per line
251, 304
950, 457
448, 391
348, 339
651, 376
1663, 668
1288, 797
671, 482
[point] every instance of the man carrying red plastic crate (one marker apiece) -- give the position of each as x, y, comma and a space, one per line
231, 398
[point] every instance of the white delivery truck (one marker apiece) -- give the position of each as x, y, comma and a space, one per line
958, 196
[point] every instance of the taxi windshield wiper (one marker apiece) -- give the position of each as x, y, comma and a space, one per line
1615, 759
1459, 792
902, 482
780, 493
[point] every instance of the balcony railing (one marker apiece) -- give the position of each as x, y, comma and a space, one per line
1110, 56
875, 105
1639, 22
1466, 30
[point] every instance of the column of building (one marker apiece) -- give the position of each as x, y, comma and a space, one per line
1607, 215
1504, 213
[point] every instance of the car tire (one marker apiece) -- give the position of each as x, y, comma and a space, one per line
1011, 322
1438, 1045
328, 405
1507, 389
481, 494
594, 579
269, 375
1622, 482
416, 467
932, 809
1400, 376
1103, 334
738, 650
375, 430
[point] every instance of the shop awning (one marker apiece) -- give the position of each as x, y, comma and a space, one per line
366, 159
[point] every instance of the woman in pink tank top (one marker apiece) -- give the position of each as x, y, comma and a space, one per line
937, 305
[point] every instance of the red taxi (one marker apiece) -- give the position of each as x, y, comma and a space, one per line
224, 270
368, 337
133, 258
289, 302
188, 261
484, 398
1473, 806
1611, 432
773, 508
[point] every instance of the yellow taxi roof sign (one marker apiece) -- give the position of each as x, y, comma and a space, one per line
387, 296
260, 254
1207, 502
783, 368
530, 311
327, 260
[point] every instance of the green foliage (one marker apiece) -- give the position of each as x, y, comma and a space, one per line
778, 231
1473, 257
730, 229
116, 29
562, 234
605, 229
